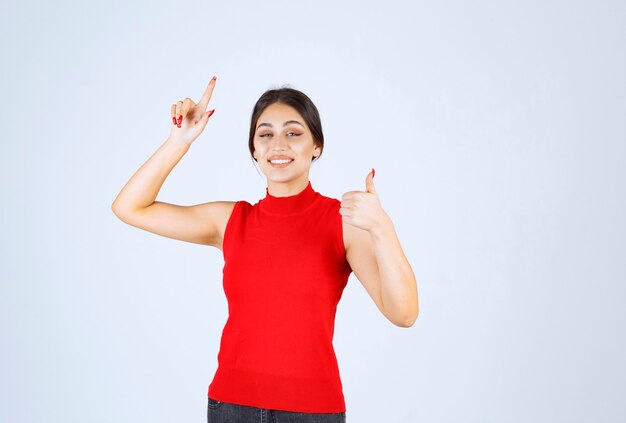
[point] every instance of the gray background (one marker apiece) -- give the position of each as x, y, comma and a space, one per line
497, 133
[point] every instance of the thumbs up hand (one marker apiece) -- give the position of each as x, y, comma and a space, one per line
362, 208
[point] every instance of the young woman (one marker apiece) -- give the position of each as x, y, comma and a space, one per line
287, 260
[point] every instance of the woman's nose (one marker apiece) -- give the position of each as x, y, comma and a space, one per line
279, 142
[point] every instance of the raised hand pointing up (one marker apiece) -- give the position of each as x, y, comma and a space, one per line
189, 119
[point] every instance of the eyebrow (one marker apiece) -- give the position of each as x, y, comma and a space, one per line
284, 124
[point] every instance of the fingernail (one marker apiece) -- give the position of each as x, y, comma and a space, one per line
180, 119
174, 120
373, 173
214, 78
211, 112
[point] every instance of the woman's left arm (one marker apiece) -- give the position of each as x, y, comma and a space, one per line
376, 256
398, 283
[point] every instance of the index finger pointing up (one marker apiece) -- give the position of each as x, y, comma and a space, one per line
204, 101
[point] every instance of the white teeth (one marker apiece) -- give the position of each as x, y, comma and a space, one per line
281, 161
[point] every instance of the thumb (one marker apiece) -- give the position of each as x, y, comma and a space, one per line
208, 114
205, 120
369, 182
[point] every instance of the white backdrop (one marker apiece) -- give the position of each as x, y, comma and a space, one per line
498, 136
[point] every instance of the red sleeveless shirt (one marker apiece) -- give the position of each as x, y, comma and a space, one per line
284, 272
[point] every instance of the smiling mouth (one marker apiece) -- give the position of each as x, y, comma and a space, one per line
280, 163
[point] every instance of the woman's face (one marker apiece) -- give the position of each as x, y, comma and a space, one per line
282, 133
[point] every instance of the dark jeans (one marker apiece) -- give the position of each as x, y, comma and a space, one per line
226, 412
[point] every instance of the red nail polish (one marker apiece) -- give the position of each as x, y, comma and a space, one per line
373, 173
211, 112
180, 119
174, 120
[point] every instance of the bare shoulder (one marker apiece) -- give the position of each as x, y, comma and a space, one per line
217, 213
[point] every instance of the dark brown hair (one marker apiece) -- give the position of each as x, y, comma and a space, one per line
296, 99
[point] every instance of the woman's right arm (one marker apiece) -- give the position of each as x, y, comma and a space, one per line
136, 203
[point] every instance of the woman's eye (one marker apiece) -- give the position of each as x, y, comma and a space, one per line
288, 133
